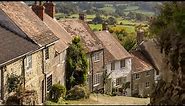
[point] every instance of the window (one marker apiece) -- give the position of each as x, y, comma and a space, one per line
96, 56
97, 78
46, 53
122, 63
137, 76
147, 73
118, 81
28, 62
113, 66
49, 83
157, 72
147, 84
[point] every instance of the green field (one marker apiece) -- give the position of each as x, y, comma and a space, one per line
108, 9
130, 8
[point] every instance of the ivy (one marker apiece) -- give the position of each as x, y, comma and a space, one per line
14, 81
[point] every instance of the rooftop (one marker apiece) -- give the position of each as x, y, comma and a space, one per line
19, 16
112, 46
78, 27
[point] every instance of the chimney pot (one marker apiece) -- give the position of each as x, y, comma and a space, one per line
140, 36
39, 10
105, 26
82, 16
50, 8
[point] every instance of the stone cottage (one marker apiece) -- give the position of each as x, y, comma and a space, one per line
58, 63
118, 64
35, 56
93, 49
143, 75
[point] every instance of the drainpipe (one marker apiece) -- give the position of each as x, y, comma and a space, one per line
103, 70
91, 70
43, 71
2, 83
23, 71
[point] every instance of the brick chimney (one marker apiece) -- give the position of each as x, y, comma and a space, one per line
105, 26
82, 16
50, 8
38, 9
140, 36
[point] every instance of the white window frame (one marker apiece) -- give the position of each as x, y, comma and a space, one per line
117, 81
51, 81
136, 76
113, 63
121, 63
28, 63
96, 79
147, 84
96, 56
46, 51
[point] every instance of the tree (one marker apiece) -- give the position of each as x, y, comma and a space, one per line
111, 21
168, 27
98, 19
77, 64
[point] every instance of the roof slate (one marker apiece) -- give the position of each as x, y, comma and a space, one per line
113, 47
13, 45
59, 31
28, 22
139, 62
78, 27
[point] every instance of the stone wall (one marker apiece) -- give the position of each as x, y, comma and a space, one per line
97, 68
139, 85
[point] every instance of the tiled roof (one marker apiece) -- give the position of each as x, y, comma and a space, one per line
78, 27
25, 19
139, 62
152, 53
13, 45
59, 31
112, 46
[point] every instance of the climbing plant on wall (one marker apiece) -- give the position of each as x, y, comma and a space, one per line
76, 64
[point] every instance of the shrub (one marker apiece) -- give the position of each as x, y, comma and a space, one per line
78, 92
57, 91
113, 91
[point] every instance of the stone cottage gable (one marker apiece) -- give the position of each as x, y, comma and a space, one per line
13, 46
27, 21
78, 27
114, 50
139, 62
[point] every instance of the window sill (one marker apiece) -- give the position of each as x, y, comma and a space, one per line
96, 85
96, 61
